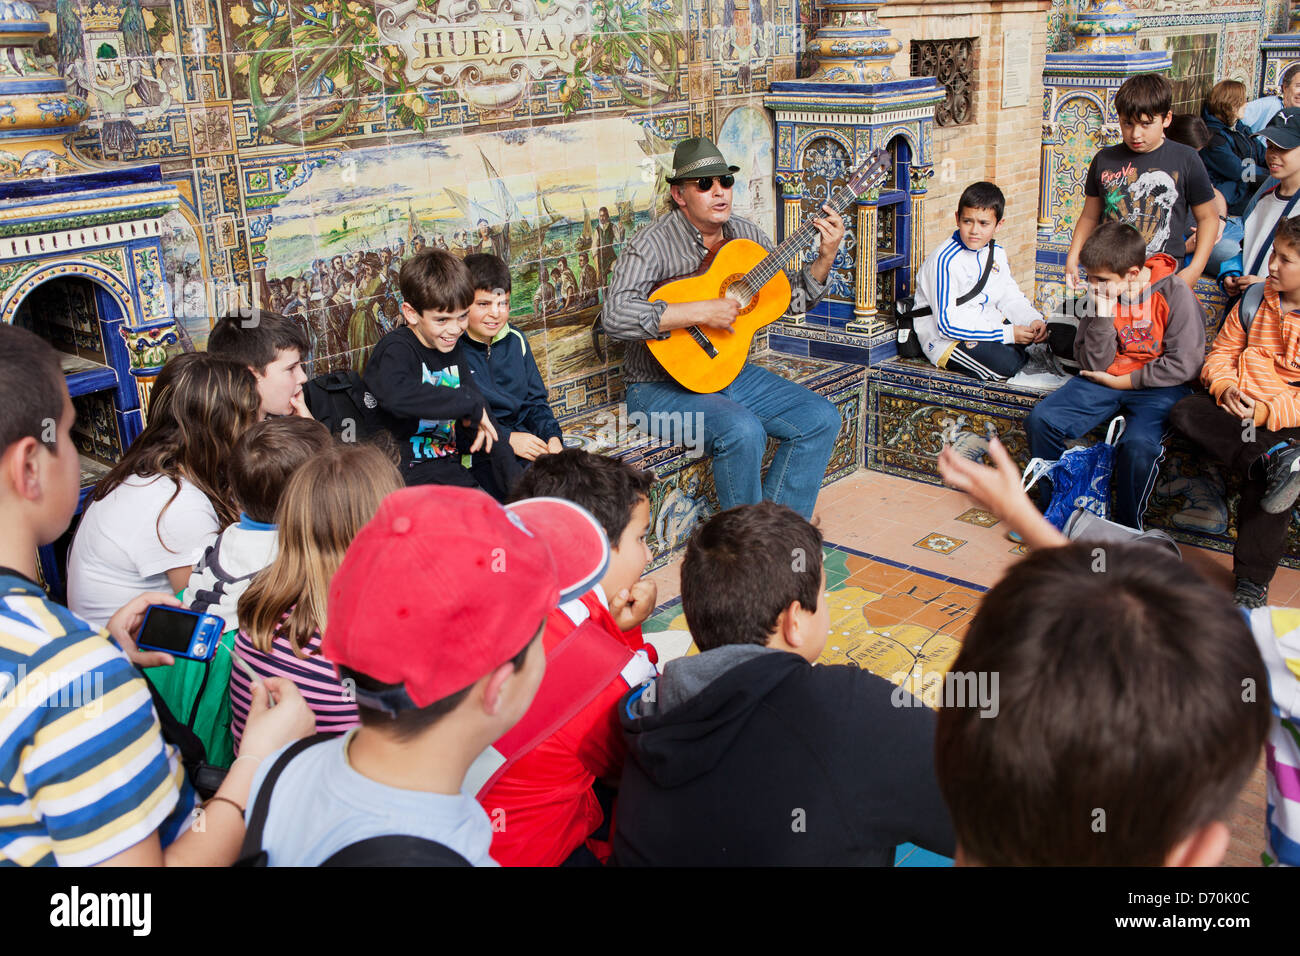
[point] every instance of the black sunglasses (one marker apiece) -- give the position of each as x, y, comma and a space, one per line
705, 183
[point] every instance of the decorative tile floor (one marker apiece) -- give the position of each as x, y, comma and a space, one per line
896, 605
978, 516
940, 542
900, 622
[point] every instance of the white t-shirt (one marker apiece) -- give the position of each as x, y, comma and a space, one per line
122, 548
1259, 230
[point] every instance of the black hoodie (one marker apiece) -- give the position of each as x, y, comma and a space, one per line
750, 756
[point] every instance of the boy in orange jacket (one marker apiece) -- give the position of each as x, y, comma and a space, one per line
1250, 420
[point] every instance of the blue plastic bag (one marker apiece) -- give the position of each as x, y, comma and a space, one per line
1080, 477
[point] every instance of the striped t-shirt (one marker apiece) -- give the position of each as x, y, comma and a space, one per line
1277, 632
335, 709
84, 771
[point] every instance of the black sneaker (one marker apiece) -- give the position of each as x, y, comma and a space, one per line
1282, 472
1249, 594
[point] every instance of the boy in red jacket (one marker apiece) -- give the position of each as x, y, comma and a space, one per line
547, 796
1250, 419
1139, 345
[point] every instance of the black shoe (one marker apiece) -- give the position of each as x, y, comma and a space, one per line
1282, 472
1249, 594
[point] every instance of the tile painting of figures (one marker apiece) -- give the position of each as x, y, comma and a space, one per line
746, 141
183, 259
556, 202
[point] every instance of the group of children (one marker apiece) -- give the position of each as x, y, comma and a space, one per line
475, 672
507, 708
411, 627
1140, 338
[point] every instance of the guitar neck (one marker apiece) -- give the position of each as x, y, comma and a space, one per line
775, 260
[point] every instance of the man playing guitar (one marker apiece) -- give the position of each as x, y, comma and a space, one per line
735, 421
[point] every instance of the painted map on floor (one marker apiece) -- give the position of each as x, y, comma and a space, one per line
898, 622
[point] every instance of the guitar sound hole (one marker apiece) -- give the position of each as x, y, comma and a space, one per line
735, 287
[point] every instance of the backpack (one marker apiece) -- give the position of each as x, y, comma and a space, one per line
1249, 304
390, 850
1084, 525
203, 776
339, 399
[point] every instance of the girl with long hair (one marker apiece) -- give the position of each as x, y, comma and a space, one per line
150, 518
283, 612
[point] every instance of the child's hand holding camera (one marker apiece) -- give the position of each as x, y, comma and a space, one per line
998, 490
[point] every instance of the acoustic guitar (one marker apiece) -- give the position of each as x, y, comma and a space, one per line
709, 359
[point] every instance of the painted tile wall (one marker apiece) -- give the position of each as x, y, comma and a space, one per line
1214, 39
318, 144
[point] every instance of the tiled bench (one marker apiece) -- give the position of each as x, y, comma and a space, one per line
684, 493
912, 408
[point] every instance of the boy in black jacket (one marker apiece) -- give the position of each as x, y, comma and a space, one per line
417, 374
746, 754
503, 366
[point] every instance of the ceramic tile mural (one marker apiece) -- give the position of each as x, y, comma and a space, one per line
1207, 32
557, 202
1194, 51
1239, 54
1058, 22
318, 143
1079, 124
747, 132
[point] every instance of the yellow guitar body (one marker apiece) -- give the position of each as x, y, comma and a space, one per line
683, 354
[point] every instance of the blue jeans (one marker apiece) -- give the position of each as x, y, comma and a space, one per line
1079, 406
732, 426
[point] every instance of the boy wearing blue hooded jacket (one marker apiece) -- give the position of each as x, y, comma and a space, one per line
503, 366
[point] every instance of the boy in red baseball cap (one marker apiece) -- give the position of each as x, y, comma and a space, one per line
438, 673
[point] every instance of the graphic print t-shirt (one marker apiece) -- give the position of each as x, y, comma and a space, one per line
1153, 192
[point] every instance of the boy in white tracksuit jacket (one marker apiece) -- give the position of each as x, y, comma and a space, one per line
985, 337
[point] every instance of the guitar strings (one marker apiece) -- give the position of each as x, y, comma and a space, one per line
839, 201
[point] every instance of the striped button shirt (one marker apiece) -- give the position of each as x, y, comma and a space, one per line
84, 771
668, 248
335, 710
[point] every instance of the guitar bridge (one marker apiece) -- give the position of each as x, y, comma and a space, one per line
703, 342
